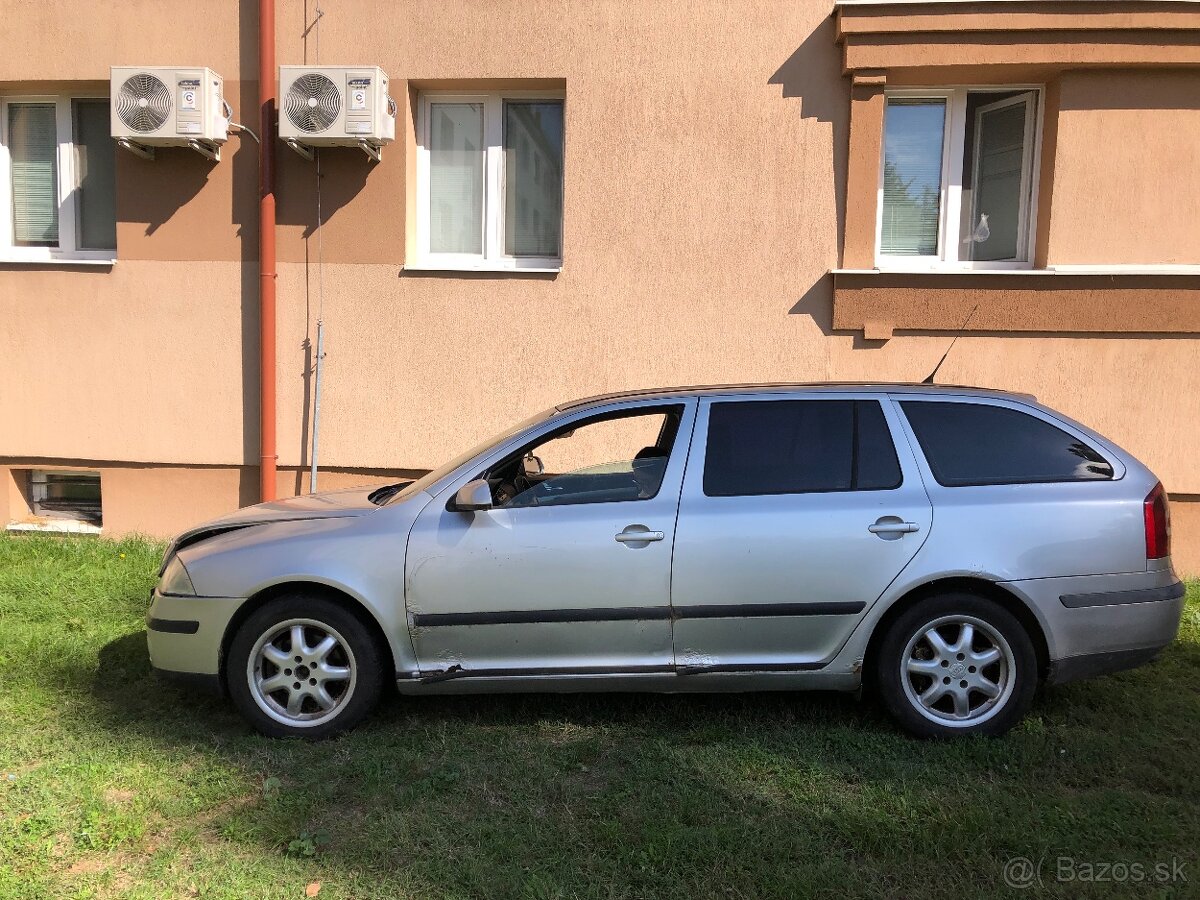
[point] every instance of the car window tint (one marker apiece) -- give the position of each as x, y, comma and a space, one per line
876, 466
798, 446
973, 443
607, 459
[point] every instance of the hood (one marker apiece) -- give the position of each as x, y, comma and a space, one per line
326, 505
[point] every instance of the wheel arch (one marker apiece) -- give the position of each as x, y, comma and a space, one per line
343, 598
981, 587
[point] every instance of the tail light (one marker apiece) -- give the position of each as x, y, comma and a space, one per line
1158, 523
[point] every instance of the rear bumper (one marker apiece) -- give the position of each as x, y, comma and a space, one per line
184, 634
1074, 668
1104, 623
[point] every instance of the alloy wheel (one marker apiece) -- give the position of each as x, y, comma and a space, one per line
958, 671
301, 672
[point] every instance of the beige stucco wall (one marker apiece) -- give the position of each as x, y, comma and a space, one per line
1125, 170
706, 169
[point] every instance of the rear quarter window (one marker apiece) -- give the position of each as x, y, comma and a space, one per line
976, 444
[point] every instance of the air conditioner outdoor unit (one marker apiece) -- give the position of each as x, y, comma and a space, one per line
335, 106
165, 106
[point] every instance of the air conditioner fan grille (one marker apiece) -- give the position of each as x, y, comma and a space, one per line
312, 103
143, 103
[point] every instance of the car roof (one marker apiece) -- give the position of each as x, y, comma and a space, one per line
880, 387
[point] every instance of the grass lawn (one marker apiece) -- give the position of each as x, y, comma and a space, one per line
114, 784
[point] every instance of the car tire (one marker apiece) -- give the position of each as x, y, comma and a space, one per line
304, 666
939, 680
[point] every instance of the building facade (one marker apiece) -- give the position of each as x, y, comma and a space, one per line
585, 197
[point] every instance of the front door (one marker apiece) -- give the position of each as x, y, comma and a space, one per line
796, 514
570, 572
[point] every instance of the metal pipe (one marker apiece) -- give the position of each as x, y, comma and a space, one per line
266, 250
316, 423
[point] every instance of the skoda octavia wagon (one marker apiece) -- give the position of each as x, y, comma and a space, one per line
949, 547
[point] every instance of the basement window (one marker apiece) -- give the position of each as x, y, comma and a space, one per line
66, 497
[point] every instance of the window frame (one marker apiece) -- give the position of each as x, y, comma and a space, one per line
66, 160
493, 258
953, 165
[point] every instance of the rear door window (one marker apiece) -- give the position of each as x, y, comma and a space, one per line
977, 444
797, 447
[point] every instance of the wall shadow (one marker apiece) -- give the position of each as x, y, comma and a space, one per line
165, 184
813, 73
245, 216
343, 174
817, 304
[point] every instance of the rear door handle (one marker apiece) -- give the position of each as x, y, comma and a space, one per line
639, 534
893, 528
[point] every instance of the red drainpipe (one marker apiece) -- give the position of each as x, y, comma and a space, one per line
266, 249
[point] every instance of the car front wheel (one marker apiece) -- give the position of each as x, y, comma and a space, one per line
957, 664
304, 666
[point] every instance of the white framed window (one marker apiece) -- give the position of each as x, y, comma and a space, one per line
57, 180
958, 178
490, 181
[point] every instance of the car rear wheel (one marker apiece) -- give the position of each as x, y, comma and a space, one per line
957, 664
304, 666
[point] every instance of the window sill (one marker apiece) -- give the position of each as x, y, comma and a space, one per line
33, 261
1049, 270
55, 526
486, 268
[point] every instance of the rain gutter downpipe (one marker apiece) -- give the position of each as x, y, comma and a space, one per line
266, 250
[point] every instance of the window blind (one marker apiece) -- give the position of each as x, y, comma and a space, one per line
456, 155
33, 151
533, 153
914, 131
95, 173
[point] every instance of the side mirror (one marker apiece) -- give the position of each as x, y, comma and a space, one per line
472, 496
531, 466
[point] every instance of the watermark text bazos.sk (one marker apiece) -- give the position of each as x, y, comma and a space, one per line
1022, 872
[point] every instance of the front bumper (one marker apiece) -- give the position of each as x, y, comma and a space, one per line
184, 634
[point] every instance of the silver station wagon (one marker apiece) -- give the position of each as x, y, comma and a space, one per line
950, 548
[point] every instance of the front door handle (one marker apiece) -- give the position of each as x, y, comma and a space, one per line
892, 525
639, 534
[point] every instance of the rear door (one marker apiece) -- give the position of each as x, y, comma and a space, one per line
797, 511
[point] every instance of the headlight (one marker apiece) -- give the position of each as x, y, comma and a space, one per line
175, 579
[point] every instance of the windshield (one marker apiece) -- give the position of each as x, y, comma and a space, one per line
427, 481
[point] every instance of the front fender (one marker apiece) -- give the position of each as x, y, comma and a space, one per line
361, 557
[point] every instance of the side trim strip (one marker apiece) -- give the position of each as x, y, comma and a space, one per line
640, 613
750, 667
1117, 598
173, 626
759, 610
532, 616
458, 672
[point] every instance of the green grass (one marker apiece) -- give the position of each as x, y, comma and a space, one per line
113, 784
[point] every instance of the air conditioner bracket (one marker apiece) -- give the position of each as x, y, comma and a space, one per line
304, 151
372, 150
136, 149
206, 149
